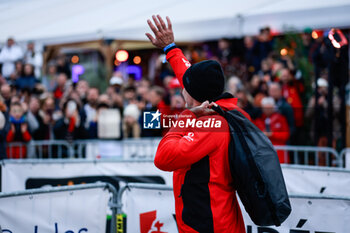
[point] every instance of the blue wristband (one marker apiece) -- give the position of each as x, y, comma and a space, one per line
168, 47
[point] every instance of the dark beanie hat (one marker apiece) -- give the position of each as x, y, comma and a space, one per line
204, 80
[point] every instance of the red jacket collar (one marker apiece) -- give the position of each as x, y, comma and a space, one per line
227, 104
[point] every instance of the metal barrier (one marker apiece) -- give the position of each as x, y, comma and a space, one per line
113, 204
319, 207
145, 148
343, 156
16, 150
139, 186
311, 155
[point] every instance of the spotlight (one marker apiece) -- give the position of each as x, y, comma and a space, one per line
122, 55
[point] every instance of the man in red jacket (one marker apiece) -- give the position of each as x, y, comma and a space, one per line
274, 125
205, 200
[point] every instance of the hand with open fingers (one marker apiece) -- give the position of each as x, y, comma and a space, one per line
163, 34
204, 109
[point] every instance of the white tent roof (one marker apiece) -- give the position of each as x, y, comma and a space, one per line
61, 21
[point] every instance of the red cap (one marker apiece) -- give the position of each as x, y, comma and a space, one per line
174, 83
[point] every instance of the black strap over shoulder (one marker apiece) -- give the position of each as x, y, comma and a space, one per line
219, 110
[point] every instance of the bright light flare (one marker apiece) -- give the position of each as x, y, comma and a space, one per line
122, 55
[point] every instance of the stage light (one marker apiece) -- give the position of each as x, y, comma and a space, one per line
314, 35
137, 60
122, 55
75, 59
284, 52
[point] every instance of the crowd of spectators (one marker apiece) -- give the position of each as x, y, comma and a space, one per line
46, 105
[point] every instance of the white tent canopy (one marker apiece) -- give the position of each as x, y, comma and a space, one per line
63, 21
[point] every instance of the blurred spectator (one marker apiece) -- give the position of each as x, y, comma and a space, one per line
4, 128
93, 124
49, 80
131, 127
104, 98
224, 51
275, 91
177, 104
6, 94
35, 122
9, 54
28, 79
33, 57
245, 103
130, 81
155, 98
252, 62
155, 102
129, 95
82, 89
19, 72
90, 106
114, 91
63, 66
274, 125
18, 132
263, 46
291, 93
320, 121
143, 88
61, 86
308, 43
49, 117
174, 86
234, 84
116, 82
70, 127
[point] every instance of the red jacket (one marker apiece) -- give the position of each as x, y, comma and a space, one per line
279, 131
291, 94
17, 152
205, 200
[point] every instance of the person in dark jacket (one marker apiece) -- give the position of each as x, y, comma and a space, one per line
35, 121
28, 80
205, 200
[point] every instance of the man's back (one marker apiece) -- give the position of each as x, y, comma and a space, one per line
205, 200
204, 196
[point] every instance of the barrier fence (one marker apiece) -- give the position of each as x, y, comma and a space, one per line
311, 155
80, 208
146, 148
310, 213
344, 155
139, 207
